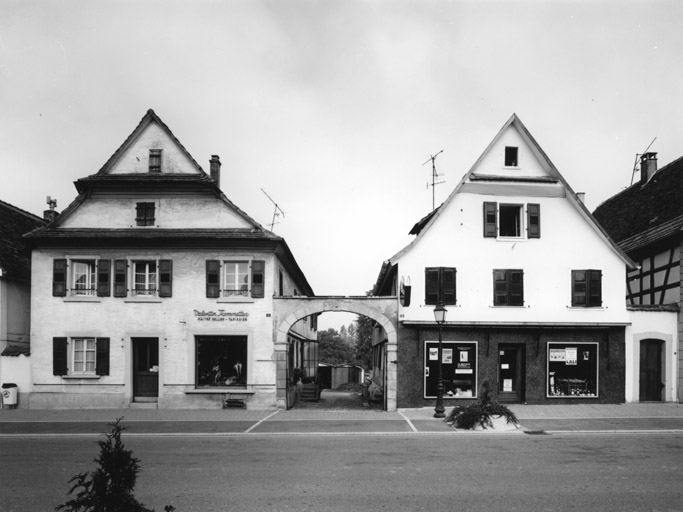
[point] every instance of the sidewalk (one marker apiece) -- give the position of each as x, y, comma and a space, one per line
607, 418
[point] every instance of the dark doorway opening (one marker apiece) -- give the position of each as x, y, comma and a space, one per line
145, 369
651, 384
511, 373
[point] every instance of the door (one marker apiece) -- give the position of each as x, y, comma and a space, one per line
145, 369
511, 373
651, 371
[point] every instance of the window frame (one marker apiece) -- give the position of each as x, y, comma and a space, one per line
528, 220
155, 161
97, 279
213, 378
590, 347
511, 156
145, 213
90, 288
66, 349
244, 289
591, 297
216, 276
509, 291
439, 292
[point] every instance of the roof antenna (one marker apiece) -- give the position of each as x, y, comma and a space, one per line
277, 212
638, 155
435, 176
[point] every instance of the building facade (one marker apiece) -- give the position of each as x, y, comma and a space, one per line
153, 289
532, 285
646, 221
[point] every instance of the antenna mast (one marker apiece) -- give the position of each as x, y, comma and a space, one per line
277, 212
435, 176
638, 155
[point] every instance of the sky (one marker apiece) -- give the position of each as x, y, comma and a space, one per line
334, 108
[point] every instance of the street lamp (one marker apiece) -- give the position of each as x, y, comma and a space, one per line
440, 317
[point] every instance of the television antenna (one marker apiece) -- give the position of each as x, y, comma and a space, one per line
435, 177
638, 155
276, 212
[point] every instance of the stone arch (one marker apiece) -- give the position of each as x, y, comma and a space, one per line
289, 310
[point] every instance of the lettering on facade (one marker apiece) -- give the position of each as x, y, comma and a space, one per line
220, 315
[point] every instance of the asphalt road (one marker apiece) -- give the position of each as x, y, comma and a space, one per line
625, 472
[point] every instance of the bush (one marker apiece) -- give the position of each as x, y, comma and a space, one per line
110, 487
479, 414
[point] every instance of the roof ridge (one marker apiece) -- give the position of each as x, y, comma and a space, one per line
22, 211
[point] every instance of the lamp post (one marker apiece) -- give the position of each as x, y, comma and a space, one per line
440, 317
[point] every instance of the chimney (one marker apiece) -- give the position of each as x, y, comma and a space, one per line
215, 169
648, 167
51, 214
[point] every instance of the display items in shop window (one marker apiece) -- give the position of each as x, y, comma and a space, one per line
572, 370
459, 360
221, 361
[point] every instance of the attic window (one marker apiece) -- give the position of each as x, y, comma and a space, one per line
145, 214
154, 160
511, 156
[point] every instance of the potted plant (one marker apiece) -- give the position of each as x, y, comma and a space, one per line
480, 415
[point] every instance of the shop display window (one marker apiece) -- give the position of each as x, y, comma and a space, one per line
572, 370
459, 367
221, 361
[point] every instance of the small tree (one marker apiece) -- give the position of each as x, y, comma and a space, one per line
110, 487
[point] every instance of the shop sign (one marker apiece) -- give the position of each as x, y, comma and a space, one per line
571, 355
220, 315
558, 354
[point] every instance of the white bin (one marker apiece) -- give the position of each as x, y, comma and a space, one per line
9, 395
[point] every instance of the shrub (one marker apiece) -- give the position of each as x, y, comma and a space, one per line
479, 414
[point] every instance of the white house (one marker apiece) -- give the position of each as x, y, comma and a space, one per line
152, 287
533, 288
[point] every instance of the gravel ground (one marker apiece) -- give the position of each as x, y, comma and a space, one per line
335, 400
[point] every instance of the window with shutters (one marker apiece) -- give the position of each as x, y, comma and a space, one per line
81, 278
508, 221
586, 288
440, 285
145, 214
511, 154
81, 356
142, 280
508, 287
154, 160
235, 280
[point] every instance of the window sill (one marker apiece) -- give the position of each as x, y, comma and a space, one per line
220, 391
235, 300
81, 377
82, 298
586, 308
505, 306
142, 299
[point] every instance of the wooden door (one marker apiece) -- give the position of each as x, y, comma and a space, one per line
511, 373
651, 370
145, 368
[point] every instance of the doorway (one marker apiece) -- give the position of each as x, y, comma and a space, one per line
651, 370
511, 374
145, 369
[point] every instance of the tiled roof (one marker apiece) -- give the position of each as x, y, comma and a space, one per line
642, 214
14, 349
154, 234
15, 258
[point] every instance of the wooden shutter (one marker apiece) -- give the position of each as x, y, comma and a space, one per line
516, 287
533, 220
213, 275
490, 220
448, 295
59, 277
120, 271
102, 356
432, 285
500, 287
579, 288
258, 274
59, 356
103, 278
165, 278
594, 288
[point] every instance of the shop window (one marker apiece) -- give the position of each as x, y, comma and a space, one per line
145, 214
235, 279
572, 370
440, 285
80, 356
508, 287
154, 160
509, 221
586, 288
221, 361
81, 277
459, 369
511, 153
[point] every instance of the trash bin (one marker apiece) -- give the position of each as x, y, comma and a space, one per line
9, 395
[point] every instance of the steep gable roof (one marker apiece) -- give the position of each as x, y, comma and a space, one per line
645, 213
15, 259
552, 175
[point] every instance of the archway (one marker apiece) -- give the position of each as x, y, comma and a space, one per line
289, 310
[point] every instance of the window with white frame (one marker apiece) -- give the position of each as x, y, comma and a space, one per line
80, 356
83, 355
81, 277
83, 274
145, 278
235, 279
502, 220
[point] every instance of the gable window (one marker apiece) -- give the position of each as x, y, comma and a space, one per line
80, 356
440, 285
508, 287
235, 279
81, 277
509, 221
154, 160
511, 156
586, 288
145, 213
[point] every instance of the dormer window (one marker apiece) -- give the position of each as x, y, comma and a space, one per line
154, 160
511, 156
145, 214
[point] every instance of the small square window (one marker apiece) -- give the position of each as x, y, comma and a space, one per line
511, 156
145, 214
154, 160
508, 287
510, 223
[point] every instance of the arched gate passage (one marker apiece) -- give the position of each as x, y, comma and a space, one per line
288, 310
